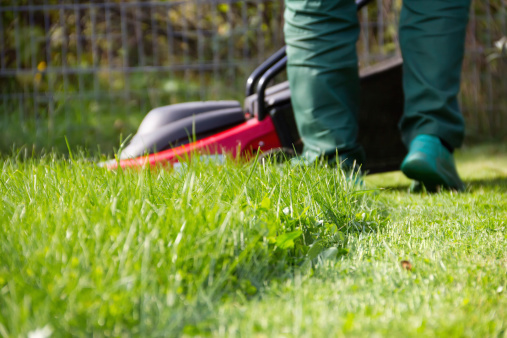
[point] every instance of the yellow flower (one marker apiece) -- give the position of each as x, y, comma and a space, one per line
41, 66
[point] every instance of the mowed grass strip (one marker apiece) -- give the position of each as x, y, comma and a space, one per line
89, 251
457, 286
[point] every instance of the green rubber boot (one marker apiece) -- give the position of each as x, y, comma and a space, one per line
430, 163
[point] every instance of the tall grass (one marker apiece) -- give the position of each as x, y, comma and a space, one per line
249, 250
85, 250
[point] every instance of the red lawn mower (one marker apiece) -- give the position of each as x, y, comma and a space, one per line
266, 122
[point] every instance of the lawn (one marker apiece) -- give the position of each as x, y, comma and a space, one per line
250, 250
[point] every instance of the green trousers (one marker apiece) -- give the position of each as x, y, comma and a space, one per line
322, 67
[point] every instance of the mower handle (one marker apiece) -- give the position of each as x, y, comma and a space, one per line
269, 69
263, 83
259, 71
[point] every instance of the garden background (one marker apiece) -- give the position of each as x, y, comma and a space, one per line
90, 71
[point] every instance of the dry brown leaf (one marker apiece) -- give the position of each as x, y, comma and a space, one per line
406, 265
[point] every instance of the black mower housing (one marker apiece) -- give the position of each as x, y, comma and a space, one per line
381, 107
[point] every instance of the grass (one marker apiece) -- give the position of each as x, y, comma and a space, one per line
250, 250
96, 121
86, 124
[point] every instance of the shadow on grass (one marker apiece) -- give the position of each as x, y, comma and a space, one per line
472, 185
499, 183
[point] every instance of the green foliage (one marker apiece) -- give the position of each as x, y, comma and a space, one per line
75, 66
87, 124
86, 250
249, 250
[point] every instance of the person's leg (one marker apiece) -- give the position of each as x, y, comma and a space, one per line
322, 68
432, 39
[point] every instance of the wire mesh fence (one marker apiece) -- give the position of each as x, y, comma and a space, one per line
90, 71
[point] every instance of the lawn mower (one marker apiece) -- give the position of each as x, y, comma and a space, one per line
266, 122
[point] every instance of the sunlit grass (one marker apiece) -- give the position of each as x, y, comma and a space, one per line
251, 249
85, 249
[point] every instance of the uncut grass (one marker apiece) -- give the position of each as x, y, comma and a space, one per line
85, 250
456, 244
